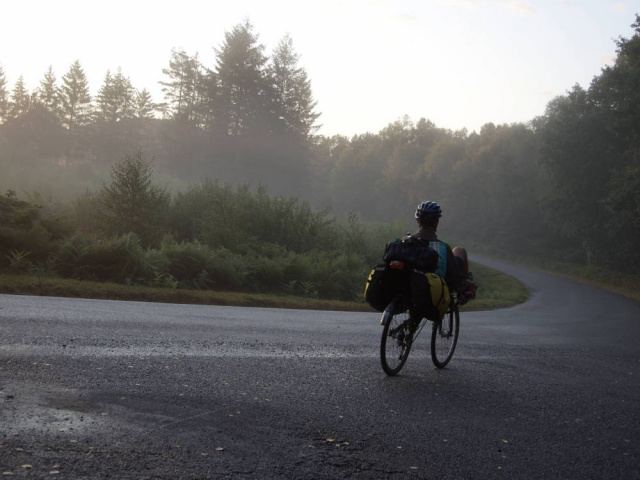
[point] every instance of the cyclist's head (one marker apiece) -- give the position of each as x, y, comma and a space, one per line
428, 213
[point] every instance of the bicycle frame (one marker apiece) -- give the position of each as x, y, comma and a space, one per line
399, 336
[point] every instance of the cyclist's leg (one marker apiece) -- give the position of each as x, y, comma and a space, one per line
460, 254
470, 287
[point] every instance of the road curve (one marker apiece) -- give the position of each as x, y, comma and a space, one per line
107, 389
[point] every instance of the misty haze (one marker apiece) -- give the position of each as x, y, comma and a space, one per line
227, 185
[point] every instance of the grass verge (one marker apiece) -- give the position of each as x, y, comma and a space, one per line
497, 290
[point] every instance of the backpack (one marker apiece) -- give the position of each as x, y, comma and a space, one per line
413, 252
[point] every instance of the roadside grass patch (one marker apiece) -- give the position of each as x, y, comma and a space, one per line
497, 290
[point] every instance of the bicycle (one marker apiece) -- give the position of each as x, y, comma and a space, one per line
401, 330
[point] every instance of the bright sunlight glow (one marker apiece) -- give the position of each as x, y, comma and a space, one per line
458, 63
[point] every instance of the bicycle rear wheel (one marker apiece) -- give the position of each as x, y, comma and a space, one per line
397, 338
444, 337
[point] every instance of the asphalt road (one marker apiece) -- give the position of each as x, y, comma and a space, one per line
105, 389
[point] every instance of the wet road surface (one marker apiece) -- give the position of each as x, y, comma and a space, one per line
105, 389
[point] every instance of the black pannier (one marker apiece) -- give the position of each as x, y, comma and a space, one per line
413, 252
384, 284
393, 277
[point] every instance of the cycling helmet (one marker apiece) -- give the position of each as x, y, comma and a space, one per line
428, 211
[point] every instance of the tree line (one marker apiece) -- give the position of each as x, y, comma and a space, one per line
249, 117
565, 185
245, 93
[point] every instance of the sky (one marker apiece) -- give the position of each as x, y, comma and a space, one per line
459, 63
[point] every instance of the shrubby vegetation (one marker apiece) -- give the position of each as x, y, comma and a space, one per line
265, 205
211, 236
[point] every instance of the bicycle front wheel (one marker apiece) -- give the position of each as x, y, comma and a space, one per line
396, 341
444, 337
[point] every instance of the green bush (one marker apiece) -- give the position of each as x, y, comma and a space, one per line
186, 262
299, 268
266, 274
22, 231
339, 276
35, 240
118, 259
227, 270
71, 254
17, 213
220, 216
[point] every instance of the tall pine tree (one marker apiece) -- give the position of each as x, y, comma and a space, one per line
293, 90
116, 100
184, 89
144, 106
75, 98
20, 99
48, 93
4, 97
245, 99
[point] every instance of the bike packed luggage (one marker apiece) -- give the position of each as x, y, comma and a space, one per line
410, 267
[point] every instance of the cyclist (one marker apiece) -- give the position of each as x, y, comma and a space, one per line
453, 264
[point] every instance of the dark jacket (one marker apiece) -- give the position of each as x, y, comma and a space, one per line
453, 277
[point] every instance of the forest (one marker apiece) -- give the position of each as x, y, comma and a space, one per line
227, 185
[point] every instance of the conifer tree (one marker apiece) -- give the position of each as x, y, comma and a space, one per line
75, 98
20, 99
103, 99
144, 106
132, 202
293, 90
4, 97
245, 99
184, 89
48, 94
116, 98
